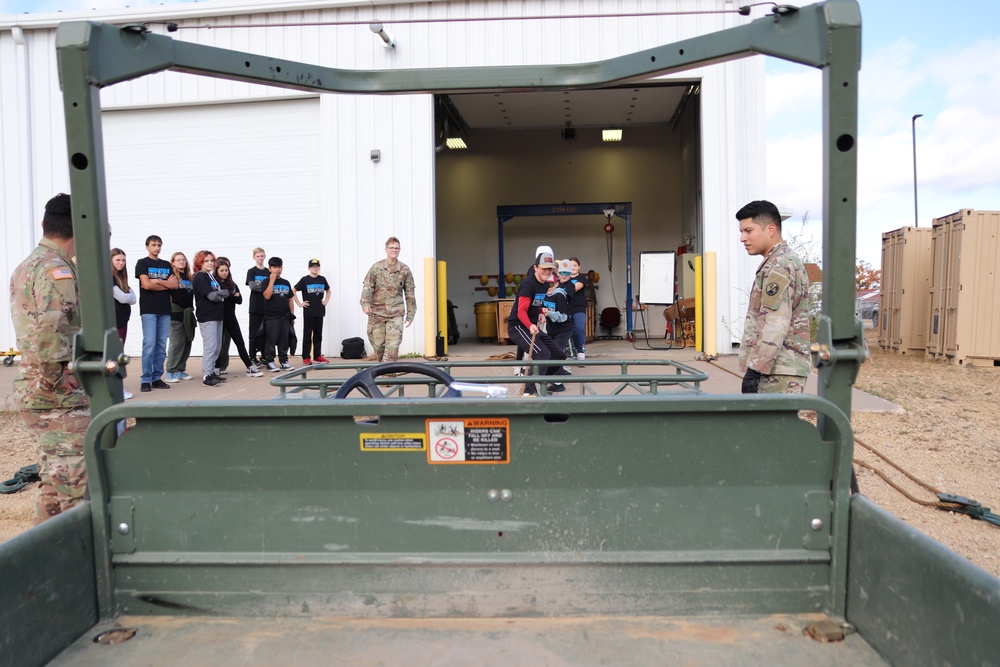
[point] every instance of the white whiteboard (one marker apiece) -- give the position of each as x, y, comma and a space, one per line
656, 277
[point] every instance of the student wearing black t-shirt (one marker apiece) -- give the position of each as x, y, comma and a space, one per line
257, 277
578, 308
532, 303
155, 281
182, 322
278, 310
315, 293
209, 296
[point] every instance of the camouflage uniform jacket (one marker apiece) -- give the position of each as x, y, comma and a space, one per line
776, 331
45, 310
385, 289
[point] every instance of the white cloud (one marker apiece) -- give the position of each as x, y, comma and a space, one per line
958, 142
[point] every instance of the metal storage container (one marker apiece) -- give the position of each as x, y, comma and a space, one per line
904, 298
964, 324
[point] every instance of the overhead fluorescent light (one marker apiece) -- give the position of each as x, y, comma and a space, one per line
455, 142
612, 134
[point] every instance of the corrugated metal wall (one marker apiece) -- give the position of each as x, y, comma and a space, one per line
364, 201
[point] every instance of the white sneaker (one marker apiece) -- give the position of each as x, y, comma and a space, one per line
127, 394
287, 367
253, 371
580, 356
519, 372
272, 367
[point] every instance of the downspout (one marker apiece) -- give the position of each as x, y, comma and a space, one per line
25, 129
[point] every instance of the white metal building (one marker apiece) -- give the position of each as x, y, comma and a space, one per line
228, 166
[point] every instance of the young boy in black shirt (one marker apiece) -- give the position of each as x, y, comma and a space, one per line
315, 291
532, 303
278, 309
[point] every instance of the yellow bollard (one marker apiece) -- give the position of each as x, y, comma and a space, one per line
442, 302
430, 301
711, 303
698, 305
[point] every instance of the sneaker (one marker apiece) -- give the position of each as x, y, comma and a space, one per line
320, 359
159, 384
580, 356
183, 376
273, 367
172, 377
221, 371
530, 391
519, 372
212, 381
145, 387
218, 377
127, 394
285, 366
306, 361
253, 371
556, 387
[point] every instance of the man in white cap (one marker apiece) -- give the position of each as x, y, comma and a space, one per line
531, 304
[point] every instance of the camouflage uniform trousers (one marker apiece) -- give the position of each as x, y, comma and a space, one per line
59, 446
385, 334
781, 384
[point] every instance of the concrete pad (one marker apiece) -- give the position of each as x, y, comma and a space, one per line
723, 376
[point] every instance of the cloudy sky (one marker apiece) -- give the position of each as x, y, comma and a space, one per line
939, 59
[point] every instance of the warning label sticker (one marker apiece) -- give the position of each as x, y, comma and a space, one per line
472, 440
393, 442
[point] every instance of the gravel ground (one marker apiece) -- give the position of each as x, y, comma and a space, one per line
947, 438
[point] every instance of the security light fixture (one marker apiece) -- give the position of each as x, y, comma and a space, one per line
455, 143
388, 41
612, 134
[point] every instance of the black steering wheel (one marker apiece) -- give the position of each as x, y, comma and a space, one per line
365, 379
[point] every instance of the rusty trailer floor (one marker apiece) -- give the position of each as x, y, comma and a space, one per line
507, 642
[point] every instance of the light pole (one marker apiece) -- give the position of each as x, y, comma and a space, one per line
913, 124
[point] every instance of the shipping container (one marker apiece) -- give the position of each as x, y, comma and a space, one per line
904, 299
964, 325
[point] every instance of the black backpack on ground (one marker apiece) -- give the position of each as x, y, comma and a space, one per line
353, 348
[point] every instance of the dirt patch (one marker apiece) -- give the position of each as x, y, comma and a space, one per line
946, 438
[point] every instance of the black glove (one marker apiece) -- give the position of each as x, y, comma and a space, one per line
751, 381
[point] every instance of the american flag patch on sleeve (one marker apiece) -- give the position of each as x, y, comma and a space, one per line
61, 273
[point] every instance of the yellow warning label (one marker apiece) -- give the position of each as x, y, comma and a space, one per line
393, 442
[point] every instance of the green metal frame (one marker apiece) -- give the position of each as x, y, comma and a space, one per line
770, 479
641, 376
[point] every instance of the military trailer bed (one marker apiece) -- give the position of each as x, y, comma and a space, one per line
673, 528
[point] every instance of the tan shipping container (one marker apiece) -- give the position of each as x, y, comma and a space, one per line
964, 325
904, 308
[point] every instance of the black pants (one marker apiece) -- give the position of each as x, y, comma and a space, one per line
276, 336
255, 334
544, 349
231, 332
312, 337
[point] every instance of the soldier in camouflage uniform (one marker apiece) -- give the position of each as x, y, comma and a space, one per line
774, 353
386, 298
44, 306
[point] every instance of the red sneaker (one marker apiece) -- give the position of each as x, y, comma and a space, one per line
306, 361
322, 360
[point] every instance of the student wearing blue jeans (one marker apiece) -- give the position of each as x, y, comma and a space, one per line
155, 279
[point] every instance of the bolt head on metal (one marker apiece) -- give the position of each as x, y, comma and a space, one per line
816, 524
493, 495
506, 495
123, 528
111, 367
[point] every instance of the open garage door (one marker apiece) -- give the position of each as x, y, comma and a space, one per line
247, 171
